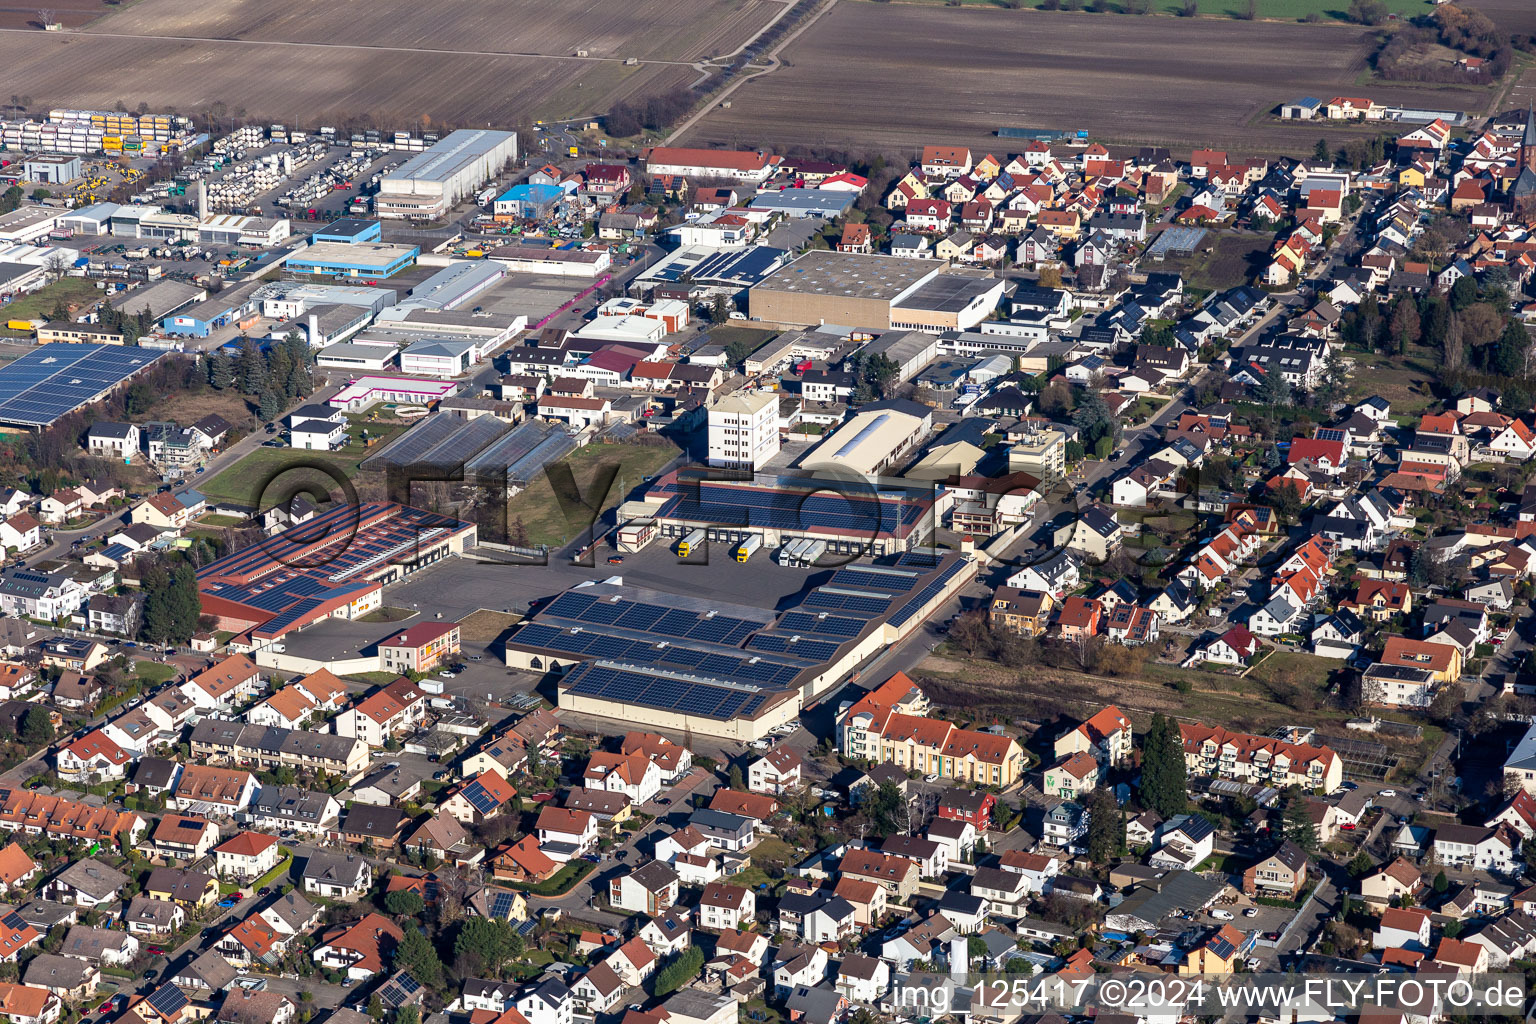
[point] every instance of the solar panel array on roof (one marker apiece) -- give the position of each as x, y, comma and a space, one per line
301, 571
848, 600
921, 559
168, 1000
503, 904
764, 670
821, 622
52, 380
800, 647
876, 577
399, 990
710, 698
751, 264
670, 624
660, 650
904, 614
478, 798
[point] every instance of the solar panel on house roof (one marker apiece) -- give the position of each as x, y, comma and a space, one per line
399, 990
478, 798
503, 904
51, 380
167, 1000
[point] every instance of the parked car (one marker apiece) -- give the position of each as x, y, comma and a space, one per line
1222, 915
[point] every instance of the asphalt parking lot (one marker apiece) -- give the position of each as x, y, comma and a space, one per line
456, 587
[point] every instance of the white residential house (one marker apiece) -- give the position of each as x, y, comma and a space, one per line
546, 1002
778, 771
1478, 847
1183, 843
1402, 928
1007, 892
726, 907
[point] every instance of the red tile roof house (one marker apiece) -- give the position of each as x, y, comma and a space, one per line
92, 754
929, 215
421, 648
361, 949
1329, 456
230, 682
385, 712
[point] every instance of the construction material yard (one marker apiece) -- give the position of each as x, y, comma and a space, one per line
986, 68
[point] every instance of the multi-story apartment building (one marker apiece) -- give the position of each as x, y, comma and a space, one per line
859, 726
1212, 750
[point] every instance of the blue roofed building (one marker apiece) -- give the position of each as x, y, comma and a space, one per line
349, 230
352, 259
528, 201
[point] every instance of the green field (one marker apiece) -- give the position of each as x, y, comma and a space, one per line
543, 518
1284, 10
241, 482
39, 305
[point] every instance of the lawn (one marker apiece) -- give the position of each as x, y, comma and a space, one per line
1407, 381
389, 614
373, 678
776, 851
154, 673
242, 483
562, 881
39, 305
218, 519
544, 518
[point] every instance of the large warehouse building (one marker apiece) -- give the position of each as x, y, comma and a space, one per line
336, 566
699, 667
851, 517
878, 292
426, 186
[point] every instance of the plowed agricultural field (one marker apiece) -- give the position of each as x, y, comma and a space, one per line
455, 61
680, 30
1514, 15
894, 76
69, 13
